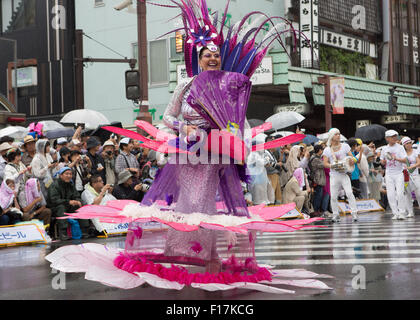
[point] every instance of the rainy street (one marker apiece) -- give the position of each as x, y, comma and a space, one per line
375, 258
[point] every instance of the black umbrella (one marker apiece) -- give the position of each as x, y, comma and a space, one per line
103, 134
373, 132
60, 133
255, 122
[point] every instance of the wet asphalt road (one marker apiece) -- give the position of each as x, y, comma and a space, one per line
387, 252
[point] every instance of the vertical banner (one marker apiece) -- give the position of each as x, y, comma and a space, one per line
337, 95
309, 34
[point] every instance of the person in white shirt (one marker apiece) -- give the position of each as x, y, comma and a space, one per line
96, 193
4, 147
413, 157
337, 151
394, 157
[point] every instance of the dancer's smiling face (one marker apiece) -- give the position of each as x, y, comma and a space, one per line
210, 60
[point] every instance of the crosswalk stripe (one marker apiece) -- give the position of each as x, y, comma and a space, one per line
260, 241
340, 261
334, 253
311, 235
337, 245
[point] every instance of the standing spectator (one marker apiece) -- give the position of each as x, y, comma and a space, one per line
15, 170
80, 168
4, 147
273, 172
127, 161
394, 157
108, 155
75, 145
355, 176
125, 190
96, 160
364, 173
316, 165
375, 178
43, 166
33, 203
10, 210
60, 143
29, 145
136, 148
64, 158
64, 198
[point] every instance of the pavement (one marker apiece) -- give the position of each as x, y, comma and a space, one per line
374, 258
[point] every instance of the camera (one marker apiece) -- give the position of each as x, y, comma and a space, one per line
109, 153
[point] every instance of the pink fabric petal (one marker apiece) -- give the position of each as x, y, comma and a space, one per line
119, 204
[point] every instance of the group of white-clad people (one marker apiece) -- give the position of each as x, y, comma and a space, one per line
329, 173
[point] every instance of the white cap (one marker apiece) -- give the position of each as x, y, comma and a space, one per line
61, 140
391, 133
76, 141
125, 141
108, 143
406, 140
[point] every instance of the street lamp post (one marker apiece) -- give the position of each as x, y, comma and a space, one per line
16, 67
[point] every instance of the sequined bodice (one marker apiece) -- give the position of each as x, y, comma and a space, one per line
190, 116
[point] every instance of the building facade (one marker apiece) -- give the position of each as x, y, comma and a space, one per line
44, 31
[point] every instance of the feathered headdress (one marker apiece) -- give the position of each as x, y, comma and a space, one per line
240, 51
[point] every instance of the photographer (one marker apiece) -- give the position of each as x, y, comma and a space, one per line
316, 165
108, 155
125, 190
98, 165
126, 161
80, 167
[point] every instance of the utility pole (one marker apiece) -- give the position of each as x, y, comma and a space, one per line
144, 113
327, 94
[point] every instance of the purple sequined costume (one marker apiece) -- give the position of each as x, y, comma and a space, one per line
195, 187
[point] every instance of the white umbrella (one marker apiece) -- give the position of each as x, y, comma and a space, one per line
91, 118
285, 119
15, 132
282, 133
324, 136
51, 125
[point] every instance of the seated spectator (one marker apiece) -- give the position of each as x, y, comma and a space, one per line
15, 170
10, 210
64, 198
108, 155
43, 166
96, 193
98, 165
29, 154
33, 203
4, 147
80, 167
127, 161
293, 191
125, 190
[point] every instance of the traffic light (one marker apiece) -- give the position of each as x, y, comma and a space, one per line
132, 85
393, 102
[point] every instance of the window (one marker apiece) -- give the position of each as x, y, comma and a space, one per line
158, 62
158, 57
175, 55
99, 3
17, 14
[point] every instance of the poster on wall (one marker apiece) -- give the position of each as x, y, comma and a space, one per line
337, 88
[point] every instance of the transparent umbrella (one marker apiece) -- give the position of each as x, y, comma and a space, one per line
90, 118
51, 125
285, 119
16, 132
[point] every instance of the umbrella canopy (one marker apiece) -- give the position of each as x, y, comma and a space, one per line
310, 139
51, 125
103, 134
324, 137
255, 122
285, 119
16, 132
281, 133
374, 132
91, 118
60, 133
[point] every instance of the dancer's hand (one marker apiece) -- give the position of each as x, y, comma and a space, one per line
189, 129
